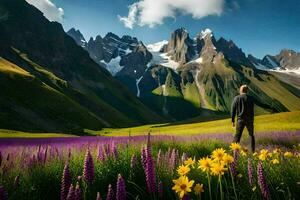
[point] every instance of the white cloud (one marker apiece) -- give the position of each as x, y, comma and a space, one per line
153, 12
130, 20
50, 10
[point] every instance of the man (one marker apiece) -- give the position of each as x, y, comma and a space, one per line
243, 108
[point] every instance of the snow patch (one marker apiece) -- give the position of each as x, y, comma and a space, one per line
137, 86
114, 65
199, 60
206, 32
156, 47
287, 71
161, 58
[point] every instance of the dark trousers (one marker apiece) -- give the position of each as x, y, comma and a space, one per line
240, 125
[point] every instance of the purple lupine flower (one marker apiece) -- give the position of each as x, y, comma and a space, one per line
88, 169
133, 161
65, 183
158, 159
45, 155
114, 150
121, 191
101, 155
160, 190
98, 196
17, 181
250, 172
150, 174
144, 158
78, 194
172, 160
69, 154
7, 157
262, 181
71, 193
110, 193
233, 165
3, 193
184, 157
1, 158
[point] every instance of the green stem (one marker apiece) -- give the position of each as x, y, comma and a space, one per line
221, 190
232, 180
209, 187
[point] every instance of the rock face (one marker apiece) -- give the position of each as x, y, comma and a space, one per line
288, 59
180, 47
285, 60
232, 52
77, 36
115, 53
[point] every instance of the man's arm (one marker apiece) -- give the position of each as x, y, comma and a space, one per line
233, 111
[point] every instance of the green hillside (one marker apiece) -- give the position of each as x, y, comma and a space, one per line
54, 85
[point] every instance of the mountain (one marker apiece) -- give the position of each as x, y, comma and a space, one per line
187, 77
286, 61
199, 77
49, 83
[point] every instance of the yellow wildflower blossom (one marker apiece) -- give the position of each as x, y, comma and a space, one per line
288, 154
182, 185
235, 146
218, 154
227, 159
198, 189
190, 162
183, 170
205, 164
218, 169
275, 161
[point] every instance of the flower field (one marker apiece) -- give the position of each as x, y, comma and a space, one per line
150, 167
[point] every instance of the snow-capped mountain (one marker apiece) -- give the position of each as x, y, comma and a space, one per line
111, 51
287, 61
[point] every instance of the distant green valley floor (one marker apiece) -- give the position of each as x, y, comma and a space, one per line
289, 121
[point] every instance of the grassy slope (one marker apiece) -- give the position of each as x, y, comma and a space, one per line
35, 105
288, 121
272, 87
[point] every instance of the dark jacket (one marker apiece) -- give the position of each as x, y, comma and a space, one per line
243, 108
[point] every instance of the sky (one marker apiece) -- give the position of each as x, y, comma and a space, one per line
259, 27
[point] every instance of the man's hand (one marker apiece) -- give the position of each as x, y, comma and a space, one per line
233, 124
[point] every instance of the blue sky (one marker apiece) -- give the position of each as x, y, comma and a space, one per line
258, 27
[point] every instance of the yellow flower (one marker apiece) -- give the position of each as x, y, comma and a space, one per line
218, 169
244, 152
189, 162
276, 151
218, 154
205, 164
263, 154
183, 170
255, 154
198, 189
288, 154
182, 185
227, 159
275, 161
235, 146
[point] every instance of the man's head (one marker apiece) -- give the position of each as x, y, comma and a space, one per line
244, 89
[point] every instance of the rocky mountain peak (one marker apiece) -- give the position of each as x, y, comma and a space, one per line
180, 46
77, 36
